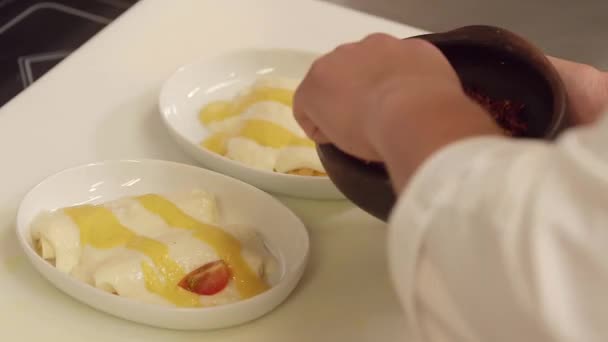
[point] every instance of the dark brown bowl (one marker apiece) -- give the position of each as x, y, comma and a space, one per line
492, 60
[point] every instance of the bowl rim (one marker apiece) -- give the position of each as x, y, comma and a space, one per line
22, 229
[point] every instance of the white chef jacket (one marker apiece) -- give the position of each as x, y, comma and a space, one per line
498, 239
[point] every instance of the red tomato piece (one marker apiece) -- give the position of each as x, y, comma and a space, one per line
208, 279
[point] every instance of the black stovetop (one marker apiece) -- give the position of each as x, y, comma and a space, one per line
36, 35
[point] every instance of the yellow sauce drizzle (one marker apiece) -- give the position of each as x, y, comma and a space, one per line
217, 143
100, 228
263, 132
163, 279
216, 111
269, 134
227, 247
221, 110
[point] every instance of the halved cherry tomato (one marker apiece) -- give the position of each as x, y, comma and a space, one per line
208, 279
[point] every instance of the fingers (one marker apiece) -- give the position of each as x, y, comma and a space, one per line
376, 39
339, 95
318, 136
301, 105
309, 127
586, 88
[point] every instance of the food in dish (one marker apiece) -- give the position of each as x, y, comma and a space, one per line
170, 250
258, 129
508, 114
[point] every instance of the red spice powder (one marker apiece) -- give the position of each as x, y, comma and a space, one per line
507, 113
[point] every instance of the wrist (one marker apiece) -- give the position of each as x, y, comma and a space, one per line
409, 128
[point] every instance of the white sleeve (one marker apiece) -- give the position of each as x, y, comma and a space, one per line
502, 240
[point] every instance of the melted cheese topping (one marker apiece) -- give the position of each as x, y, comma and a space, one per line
218, 143
252, 154
221, 110
296, 158
225, 245
163, 278
129, 246
100, 229
269, 134
263, 116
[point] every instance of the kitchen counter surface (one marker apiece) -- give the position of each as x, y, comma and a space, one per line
101, 103
574, 30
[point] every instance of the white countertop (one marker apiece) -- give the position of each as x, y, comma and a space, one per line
100, 104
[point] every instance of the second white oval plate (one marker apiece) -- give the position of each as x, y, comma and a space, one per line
192, 86
283, 232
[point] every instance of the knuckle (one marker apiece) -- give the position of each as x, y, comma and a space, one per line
345, 47
422, 45
379, 38
318, 68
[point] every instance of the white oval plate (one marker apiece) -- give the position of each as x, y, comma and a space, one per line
192, 86
283, 232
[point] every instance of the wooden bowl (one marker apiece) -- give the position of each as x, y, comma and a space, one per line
492, 60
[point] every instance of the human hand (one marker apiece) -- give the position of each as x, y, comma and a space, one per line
346, 91
387, 99
587, 90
